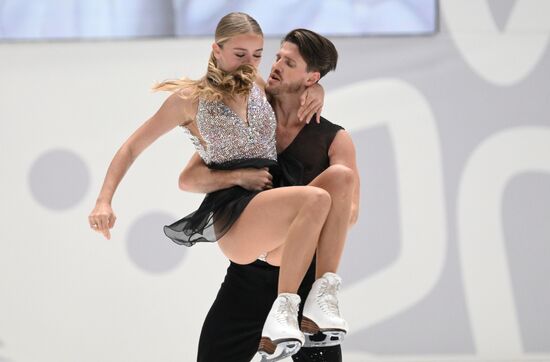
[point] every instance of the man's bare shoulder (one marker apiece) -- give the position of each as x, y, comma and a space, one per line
342, 142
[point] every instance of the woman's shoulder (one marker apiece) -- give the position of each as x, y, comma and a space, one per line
183, 104
185, 92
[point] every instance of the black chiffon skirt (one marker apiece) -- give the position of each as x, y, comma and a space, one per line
220, 209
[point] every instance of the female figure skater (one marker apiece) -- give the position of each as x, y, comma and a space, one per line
233, 126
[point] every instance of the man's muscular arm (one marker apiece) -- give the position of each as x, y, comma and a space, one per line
197, 177
342, 152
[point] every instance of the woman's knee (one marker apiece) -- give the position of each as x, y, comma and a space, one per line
317, 199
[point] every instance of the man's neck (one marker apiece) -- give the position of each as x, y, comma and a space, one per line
286, 108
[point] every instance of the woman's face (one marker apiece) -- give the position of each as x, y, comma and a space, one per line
239, 50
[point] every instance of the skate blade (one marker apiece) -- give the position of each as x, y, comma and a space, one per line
282, 351
324, 339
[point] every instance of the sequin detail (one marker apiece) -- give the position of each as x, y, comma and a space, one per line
228, 137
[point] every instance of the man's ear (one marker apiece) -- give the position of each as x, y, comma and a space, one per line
312, 78
216, 49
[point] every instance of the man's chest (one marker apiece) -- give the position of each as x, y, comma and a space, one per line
286, 135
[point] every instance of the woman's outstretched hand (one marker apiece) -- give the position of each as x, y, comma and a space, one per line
102, 218
312, 101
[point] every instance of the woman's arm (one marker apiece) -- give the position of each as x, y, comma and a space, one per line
174, 111
312, 101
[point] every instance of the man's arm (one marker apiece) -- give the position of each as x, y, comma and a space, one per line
342, 152
197, 177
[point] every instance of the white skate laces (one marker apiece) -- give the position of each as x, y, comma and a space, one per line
287, 312
281, 336
322, 322
326, 297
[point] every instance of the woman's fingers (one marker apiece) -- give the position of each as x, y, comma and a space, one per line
104, 226
304, 97
101, 221
318, 114
305, 101
112, 220
308, 111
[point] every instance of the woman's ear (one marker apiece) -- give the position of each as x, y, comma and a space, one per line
217, 50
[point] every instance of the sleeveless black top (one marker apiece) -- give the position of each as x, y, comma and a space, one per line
310, 150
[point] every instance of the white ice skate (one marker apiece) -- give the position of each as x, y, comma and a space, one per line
281, 336
322, 323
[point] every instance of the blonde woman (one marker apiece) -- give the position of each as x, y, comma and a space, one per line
232, 126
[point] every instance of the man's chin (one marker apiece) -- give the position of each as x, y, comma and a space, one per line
272, 88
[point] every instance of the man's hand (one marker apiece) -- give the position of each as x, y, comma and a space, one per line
312, 101
255, 179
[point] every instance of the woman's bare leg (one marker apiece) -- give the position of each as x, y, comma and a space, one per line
293, 216
338, 181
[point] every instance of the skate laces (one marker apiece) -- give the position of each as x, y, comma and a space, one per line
327, 297
287, 312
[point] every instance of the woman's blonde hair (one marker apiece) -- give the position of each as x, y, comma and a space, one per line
218, 84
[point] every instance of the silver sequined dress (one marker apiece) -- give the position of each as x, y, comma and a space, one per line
228, 137
230, 143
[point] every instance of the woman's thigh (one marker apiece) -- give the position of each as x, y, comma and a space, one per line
336, 180
263, 225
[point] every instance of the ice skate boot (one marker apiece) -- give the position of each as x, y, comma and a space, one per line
322, 323
281, 336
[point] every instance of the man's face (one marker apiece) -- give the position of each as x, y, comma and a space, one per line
289, 72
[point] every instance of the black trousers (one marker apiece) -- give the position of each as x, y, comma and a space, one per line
232, 329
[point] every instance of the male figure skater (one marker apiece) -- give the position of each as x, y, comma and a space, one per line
233, 326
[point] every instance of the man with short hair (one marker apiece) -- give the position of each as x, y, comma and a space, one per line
321, 155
